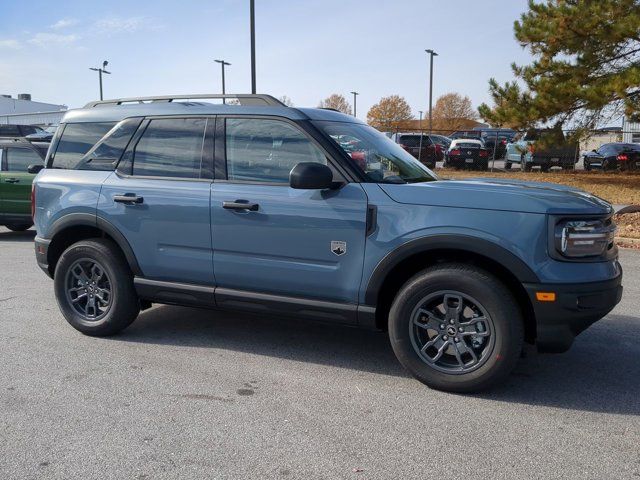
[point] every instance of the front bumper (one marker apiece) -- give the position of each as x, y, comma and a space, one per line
576, 308
41, 246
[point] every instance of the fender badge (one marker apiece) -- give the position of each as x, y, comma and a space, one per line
338, 247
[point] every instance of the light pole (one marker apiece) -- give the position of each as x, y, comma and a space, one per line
252, 26
222, 64
100, 72
420, 125
355, 94
431, 55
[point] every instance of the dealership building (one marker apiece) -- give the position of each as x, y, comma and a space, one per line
21, 110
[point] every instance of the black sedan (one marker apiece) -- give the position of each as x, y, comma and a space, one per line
613, 156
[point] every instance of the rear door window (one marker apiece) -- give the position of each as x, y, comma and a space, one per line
76, 140
9, 131
19, 159
170, 147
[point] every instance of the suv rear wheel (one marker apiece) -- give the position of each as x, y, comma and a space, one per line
456, 328
94, 288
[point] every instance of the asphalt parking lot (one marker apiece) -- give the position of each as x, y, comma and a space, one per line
186, 393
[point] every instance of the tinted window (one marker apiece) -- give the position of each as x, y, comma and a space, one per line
28, 130
170, 148
107, 152
266, 150
414, 140
9, 131
76, 140
19, 159
466, 145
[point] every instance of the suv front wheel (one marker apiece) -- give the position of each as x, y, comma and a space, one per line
456, 328
94, 288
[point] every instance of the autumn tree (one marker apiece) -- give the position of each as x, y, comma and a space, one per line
389, 113
586, 66
337, 102
452, 112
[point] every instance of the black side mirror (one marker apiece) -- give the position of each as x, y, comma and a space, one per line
594, 151
311, 176
34, 168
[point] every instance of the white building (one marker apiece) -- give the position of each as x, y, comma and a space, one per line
23, 111
631, 131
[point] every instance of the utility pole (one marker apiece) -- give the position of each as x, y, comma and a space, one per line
431, 55
252, 21
222, 64
100, 72
355, 94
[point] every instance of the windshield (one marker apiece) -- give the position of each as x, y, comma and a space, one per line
381, 159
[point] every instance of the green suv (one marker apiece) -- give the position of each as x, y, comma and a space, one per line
17, 159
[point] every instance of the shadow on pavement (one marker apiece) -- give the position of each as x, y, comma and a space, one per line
601, 372
8, 235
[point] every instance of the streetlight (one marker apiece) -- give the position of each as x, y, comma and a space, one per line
420, 125
431, 54
100, 72
252, 26
354, 103
222, 64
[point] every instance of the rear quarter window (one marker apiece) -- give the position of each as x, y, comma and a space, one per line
76, 140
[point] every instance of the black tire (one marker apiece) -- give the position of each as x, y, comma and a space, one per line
501, 307
507, 165
123, 306
19, 227
545, 169
524, 166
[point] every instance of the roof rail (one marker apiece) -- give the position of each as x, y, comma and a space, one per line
242, 98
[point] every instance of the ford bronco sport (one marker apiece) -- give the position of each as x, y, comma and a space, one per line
260, 207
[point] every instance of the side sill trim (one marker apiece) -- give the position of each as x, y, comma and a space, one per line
175, 293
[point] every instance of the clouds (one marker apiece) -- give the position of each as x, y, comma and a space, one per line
112, 25
46, 40
10, 44
64, 23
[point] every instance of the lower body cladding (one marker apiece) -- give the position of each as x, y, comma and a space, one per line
254, 302
564, 311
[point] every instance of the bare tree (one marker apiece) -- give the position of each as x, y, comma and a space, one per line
286, 100
337, 102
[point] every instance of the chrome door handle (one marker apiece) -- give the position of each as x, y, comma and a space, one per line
12, 180
241, 205
129, 199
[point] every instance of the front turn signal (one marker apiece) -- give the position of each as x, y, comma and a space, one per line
546, 296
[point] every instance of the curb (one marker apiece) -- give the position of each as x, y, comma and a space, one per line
630, 242
629, 209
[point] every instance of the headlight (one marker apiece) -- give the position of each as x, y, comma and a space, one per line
584, 238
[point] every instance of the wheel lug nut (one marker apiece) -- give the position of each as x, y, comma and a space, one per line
445, 337
451, 321
442, 326
456, 340
460, 329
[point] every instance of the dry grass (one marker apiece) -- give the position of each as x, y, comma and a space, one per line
628, 225
617, 188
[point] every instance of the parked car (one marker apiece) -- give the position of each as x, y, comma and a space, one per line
15, 131
544, 148
613, 156
426, 150
45, 136
467, 153
16, 158
474, 134
441, 140
496, 142
262, 207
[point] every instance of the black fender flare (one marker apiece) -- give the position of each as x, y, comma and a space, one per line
89, 220
465, 243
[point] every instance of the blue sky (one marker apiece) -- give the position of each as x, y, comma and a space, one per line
305, 49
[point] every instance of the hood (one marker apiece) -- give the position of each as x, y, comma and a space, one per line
499, 194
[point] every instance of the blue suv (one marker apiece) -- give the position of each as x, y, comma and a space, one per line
251, 205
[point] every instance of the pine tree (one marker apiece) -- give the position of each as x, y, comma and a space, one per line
586, 66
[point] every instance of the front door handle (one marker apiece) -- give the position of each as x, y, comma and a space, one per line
12, 180
241, 205
128, 198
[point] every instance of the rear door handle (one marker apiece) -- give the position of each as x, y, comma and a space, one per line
12, 180
241, 205
128, 198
